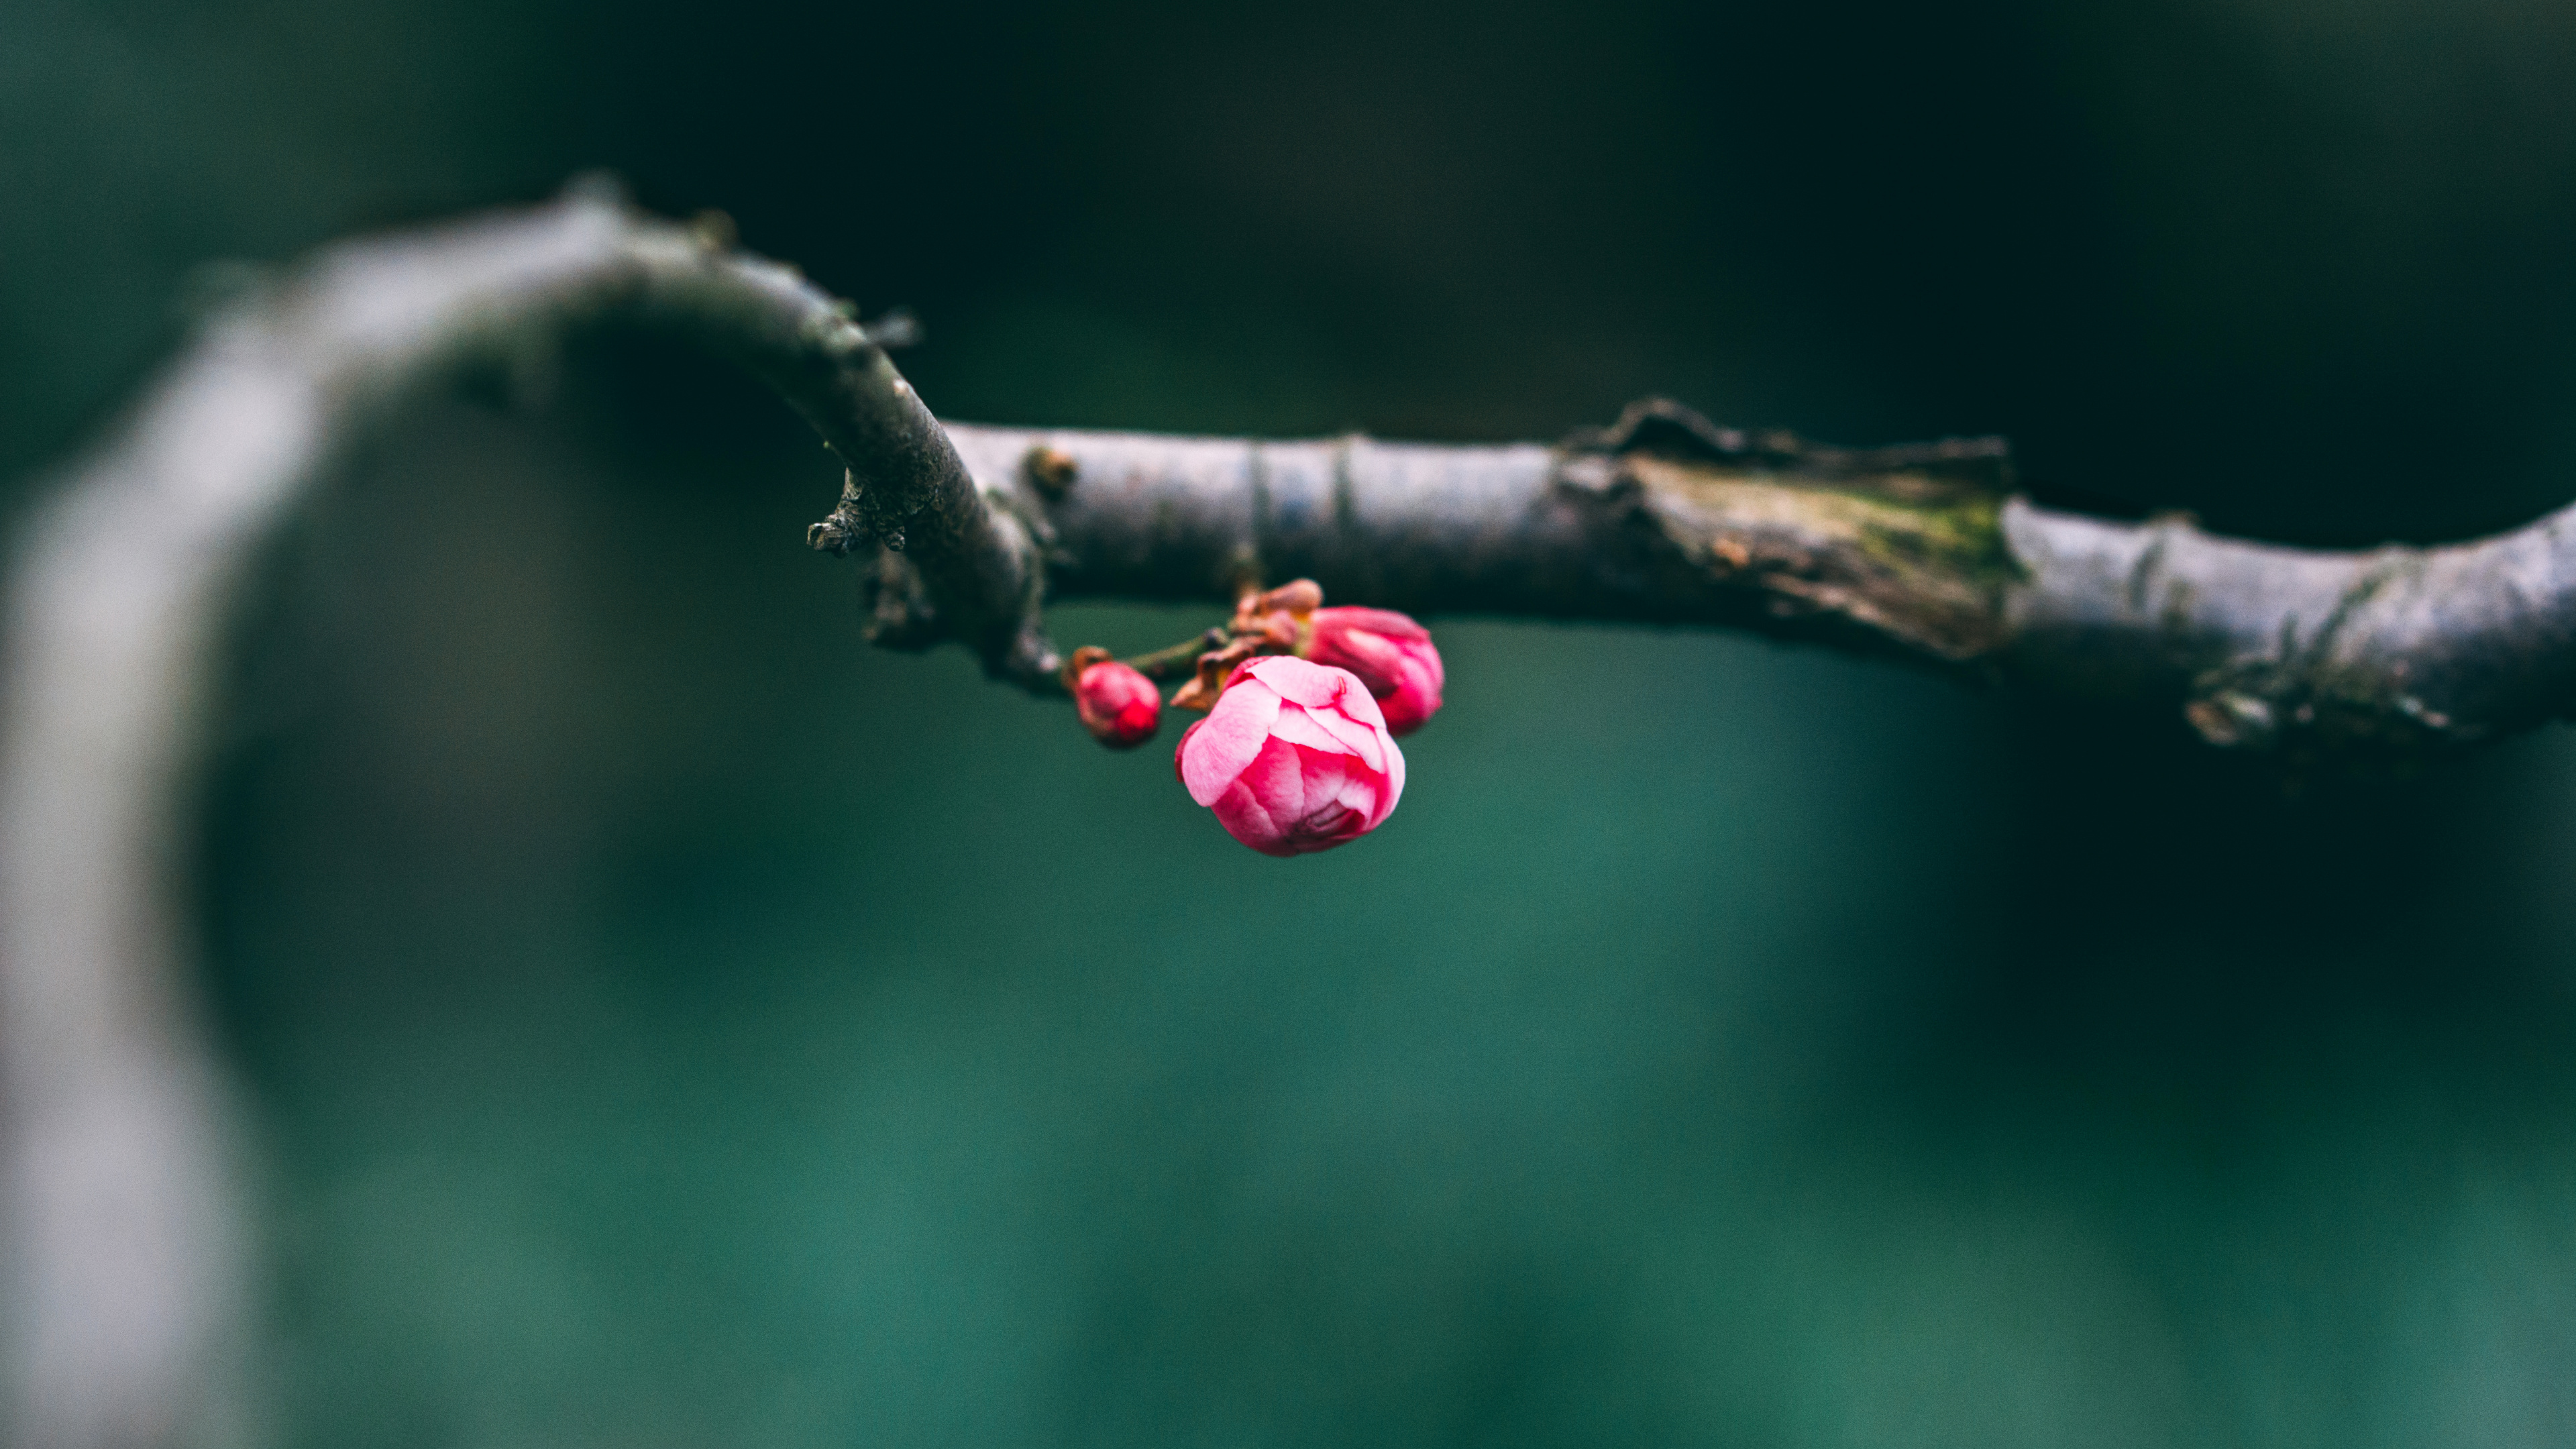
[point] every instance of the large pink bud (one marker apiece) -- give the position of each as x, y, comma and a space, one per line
1295, 757
1390, 653
1118, 704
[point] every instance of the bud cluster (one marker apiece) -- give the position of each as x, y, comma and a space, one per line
1298, 751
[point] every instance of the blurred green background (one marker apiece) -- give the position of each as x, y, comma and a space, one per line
672, 1023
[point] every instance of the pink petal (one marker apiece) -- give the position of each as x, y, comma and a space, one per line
1361, 705
1377, 662
1429, 659
1394, 784
1413, 700
1335, 824
1220, 747
1298, 682
1319, 783
1334, 804
1360, 795
1369, 742
1386, 622
1315, 729
1245, 820
1260, 804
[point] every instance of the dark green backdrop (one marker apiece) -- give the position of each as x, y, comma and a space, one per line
674, 1024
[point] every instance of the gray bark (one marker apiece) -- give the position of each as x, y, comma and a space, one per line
125, 1297
1918, 553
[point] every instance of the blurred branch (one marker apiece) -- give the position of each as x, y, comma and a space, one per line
125, 1252
124, 1298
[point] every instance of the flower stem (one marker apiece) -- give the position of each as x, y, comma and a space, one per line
1179, 660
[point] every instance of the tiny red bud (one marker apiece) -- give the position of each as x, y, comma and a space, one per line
1390, 653
1119, 705
1294, 758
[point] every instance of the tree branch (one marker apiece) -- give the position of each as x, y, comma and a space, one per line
126, 1266
1921, 553
124, 1291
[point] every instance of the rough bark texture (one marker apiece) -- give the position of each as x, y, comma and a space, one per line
124, 1298
1657, 519
1921, 553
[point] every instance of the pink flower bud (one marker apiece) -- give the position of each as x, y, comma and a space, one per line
1120, 706
1295, 757
1390, 653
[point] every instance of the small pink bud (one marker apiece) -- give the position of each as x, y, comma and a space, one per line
1119, 705
1390, 653
1294, 758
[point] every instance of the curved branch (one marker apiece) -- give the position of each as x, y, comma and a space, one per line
124, 1254
124, 1259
